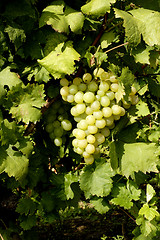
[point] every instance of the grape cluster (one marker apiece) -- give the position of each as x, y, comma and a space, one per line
57, 123
95, 109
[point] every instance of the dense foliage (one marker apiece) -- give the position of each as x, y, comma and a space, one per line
49, 45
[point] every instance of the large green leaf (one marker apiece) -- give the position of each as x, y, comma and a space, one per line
151, 4
68, 180
62, 17
13, 163
130, 24
97, 7
148, 212
61, 61
148, 24
123, 195
25, 103
9, 78
100, 204
96, 180
135, 157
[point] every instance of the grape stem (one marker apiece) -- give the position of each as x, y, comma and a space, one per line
121, 45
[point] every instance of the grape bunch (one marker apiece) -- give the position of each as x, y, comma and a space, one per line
96, 107
57, 123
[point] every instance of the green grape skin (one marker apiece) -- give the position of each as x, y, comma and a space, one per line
58, 132
64, 82
64, 91
58, 141
87, 77
100, 123
89, 160
90, 148
89, 97
66, 124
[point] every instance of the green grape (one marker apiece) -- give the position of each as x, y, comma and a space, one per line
110, 95
89, 97
90, 119
58, 132
51, 118
116, 117
66, 125
104, 76
100, 123
52, 135
95, 105
78, 98
70, 98
89, 160
113, 79
85, 154
105, 101
107, 112
49, 128
89, 110
92, 129
77, 81
58, 141
98, 72
80, 107
98, 114
79, 150
64, 91
60, 118
74, 111
116, 109
100, 138
64, 82
82, 124
92, 86
104, 86
82, 87
82, 143
91, 139
75, 142
134, 99
90, 148
114, 87
73, 89
87, 77
80, 134
109, 120
100, 93
105, 132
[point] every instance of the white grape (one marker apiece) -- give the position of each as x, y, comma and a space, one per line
116, 109
105, 101
66, 124
100, 138
87, 77
73, 89
104, 86
77, 81
114, 87
70, 98
98, 114
82, 143
82, 124
110, 95
92, 86
64, 82
98, 72
100, 123
91, 139
64, 91
89, 160
82, 87
58, 141
105, 132
89, 97
80, 107
89, 110
90, 148
95, 105
78, 97
90, 119
92, 129
107, 112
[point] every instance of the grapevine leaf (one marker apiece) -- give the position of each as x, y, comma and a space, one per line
142, 54
15, 32
113, 155
60, 62
146, 19
123, 195
126, 79
47, 201
107, 39
131, 27
42, 76
150, 192
154, 86
61, 17
28, 222
25, 103
96, 180
142, 109
26, 206
69, 179
100, 204
9, 78
8, 132
13, 163
148, 212
138, 157
152, 4
97, 7
52, 41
